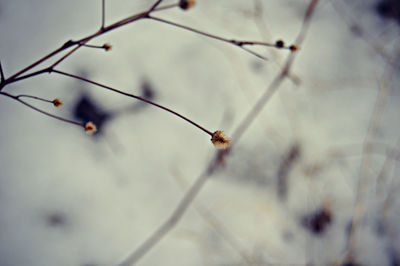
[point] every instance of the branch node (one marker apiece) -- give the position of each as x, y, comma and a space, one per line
68, 43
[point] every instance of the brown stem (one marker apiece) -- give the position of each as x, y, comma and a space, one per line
86, 39
17, 98
33, 97
237, 43
2, 78
133, 96
103, 16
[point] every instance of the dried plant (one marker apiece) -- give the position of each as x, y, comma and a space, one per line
318, 222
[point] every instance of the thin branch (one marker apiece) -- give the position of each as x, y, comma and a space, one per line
103, 12
133, 96
194, 190
237, 43
33, 97
273, 87
84, 40
174, 218
36, 73
166, 7
41, 111
362, 192
46, 57
217, 225
154, 6
2, 78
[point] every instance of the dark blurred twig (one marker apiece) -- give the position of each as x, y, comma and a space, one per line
216, 162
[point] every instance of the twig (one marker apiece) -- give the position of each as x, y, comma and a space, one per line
359, 207
103, 12
194, 190
154, 6
218, 225
174, 218
133, 96
33, 97
237, 43
2, 78
17, 98
259, 105
367, 38
84, 40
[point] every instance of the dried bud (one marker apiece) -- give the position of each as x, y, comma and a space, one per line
90, 128
187, 4
220, 140
279, 44
57, 102
107, 47
293, 48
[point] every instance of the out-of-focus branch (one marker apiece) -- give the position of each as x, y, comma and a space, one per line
215, 164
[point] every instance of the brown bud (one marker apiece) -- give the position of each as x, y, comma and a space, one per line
90, 128
57, 102
293, 48
220, 140
107, 47
187, 4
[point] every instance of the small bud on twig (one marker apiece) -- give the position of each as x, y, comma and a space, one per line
90, 128
279, 44
57, 102
220, 140
293, 48
107, 47
187, 4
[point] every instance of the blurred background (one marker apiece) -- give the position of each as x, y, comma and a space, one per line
325, 145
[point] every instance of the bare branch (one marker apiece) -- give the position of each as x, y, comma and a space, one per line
17, 98
194, 190
84, 40
133, 96
103, 12
2, 78
174, 218
237, 43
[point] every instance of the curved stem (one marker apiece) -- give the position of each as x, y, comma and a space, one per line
17, 98
79, 43
133, 96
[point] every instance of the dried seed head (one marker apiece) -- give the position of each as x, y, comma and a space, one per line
293, 48
90, 128
107, 47
57, 102
187, 4
220, 140
279, 44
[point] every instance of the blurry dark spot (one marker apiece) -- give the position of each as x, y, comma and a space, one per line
86, 110
288, 236
389, 9
147, 90
318, 221
257, 66
56, 220
349, 228
356, 30
286, 165
394, 257
350, 263
380, 227
279, 44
